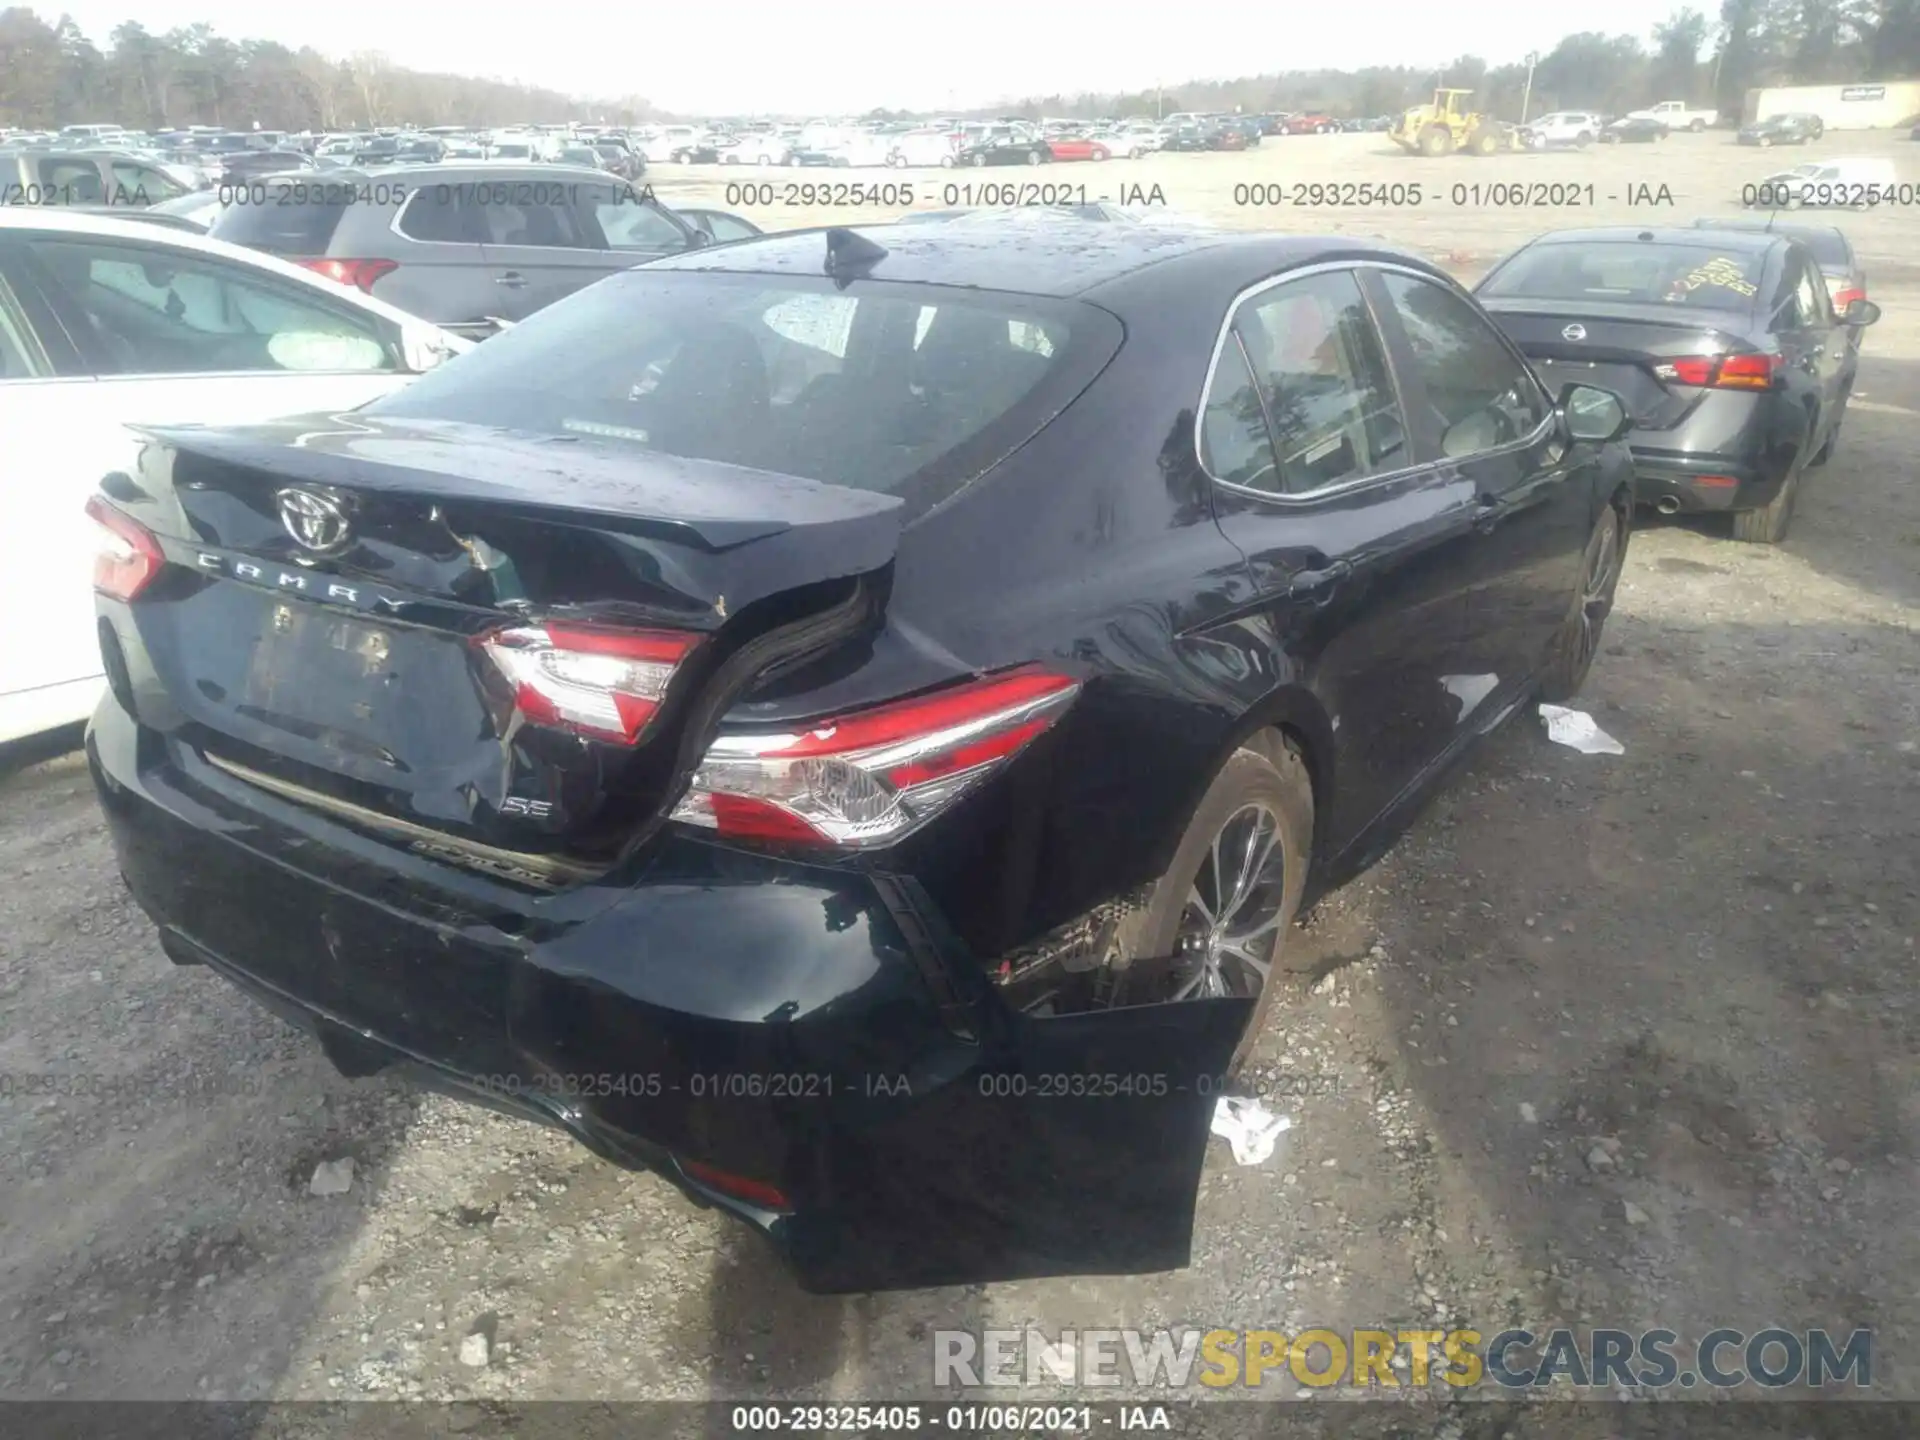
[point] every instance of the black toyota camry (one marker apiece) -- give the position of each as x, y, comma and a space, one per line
845, 720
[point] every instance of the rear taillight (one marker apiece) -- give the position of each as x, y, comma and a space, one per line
1845, 296
126, 555
356, 274
739, 1187
869, 778
1723, 372
602, 683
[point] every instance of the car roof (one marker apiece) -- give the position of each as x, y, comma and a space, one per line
1756, 224
1829, 243
486, 172
1748, 241
1059, 256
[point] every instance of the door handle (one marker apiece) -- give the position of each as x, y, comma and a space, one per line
1317, 586
513, 279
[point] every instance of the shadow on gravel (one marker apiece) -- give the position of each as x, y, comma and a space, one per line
18, 755
1675, 995
158, 1135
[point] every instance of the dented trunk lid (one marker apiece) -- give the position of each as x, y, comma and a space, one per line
338, 581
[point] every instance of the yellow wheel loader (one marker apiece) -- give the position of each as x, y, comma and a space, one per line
1447, 125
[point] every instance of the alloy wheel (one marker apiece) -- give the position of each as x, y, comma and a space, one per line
1230, 926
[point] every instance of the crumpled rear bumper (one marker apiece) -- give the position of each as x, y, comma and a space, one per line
806, 1047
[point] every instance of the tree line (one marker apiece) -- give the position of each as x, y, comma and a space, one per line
1752, 44
52, 74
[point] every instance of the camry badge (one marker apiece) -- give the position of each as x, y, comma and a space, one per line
1574, 332
317, 521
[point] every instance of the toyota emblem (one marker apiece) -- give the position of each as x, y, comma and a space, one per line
1574, 332
316, 521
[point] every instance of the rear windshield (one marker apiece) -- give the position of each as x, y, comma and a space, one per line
1631, 272
289, 217
904, 389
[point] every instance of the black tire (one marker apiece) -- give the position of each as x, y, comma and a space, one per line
1484, 142
1033, 157
1578, 639
1769, 524
1436, 141
979, 160
1765, 142
1697, 126
1263, 789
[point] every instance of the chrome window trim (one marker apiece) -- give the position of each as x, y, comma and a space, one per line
1360, 482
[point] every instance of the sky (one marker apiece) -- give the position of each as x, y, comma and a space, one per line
849, 56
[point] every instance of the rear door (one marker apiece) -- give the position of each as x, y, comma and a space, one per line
539, 245
1360, 549
48, 409
1813, 347
1477, 404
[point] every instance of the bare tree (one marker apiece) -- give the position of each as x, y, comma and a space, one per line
370, 70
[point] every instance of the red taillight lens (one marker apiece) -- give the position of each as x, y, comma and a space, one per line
127, 557
740, 1187
598, 682
1845, 296
1722, 372
357, 274
1747, 372
870, 778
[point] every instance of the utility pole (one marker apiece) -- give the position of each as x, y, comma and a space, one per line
1526, 99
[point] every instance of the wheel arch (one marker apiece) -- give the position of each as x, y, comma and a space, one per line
1290, 717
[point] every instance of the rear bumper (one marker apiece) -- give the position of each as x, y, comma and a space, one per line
1673, 482
805, 1028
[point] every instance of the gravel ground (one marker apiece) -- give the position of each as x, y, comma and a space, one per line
1628, 1041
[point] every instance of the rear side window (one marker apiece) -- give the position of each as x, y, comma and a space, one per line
284, 218
1632, 272
1323, 375
445, 215
905, 389
633, 224
138, 184
75, 181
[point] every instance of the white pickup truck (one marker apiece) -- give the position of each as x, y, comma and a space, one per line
1677, 115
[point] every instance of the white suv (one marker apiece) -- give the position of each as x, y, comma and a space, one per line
1564, 127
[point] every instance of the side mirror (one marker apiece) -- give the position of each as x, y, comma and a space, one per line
1860, 313
424, 348
1591, 413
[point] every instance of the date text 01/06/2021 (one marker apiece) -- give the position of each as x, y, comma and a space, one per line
960, 1419
1461, 195
823, 1085
904, 194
